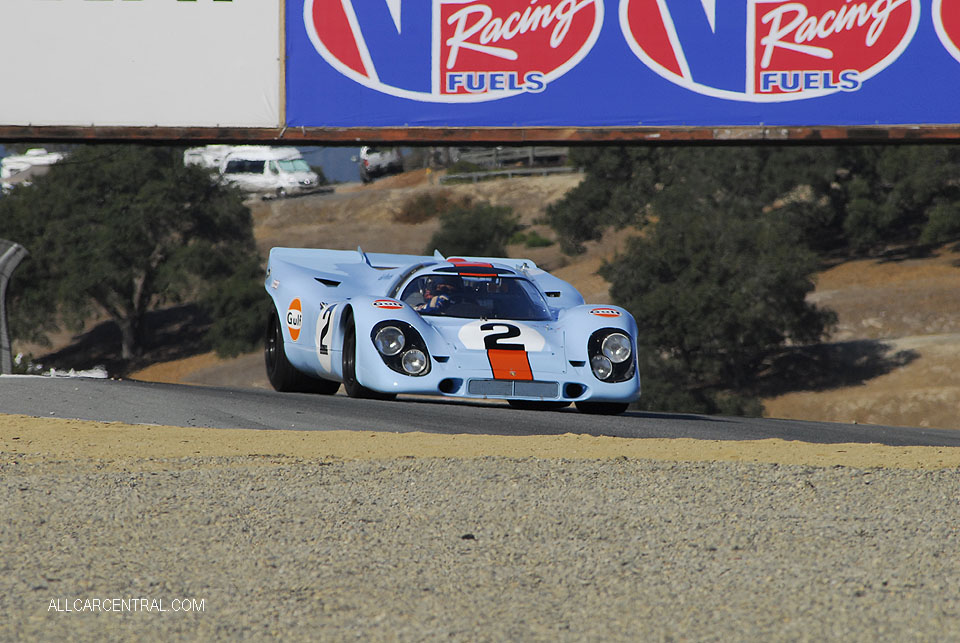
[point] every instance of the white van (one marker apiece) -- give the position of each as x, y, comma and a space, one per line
20, 168
208, 157
270, 171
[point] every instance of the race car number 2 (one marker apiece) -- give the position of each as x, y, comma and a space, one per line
499, 335
325, 334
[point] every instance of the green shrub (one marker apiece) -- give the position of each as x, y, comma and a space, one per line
479, 229
428, 205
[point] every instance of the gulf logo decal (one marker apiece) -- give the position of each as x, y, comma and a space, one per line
294, 319
605, 312
388, 304
769, 50
946, 20
452, 51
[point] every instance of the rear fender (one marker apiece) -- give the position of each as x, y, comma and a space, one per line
303, 305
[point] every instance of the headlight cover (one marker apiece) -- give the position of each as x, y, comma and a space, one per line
414, 361
401, 348
389, 340
602, 367
611, 355
616, 347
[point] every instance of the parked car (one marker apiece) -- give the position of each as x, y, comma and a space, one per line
379, 161
270, 171
471, 327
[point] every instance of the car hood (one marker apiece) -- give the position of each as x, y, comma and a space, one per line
482, 344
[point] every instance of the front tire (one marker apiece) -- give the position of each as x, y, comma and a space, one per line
350, 383
281, 373
602, 408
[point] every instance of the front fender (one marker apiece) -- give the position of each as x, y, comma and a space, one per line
582, 321
365, 313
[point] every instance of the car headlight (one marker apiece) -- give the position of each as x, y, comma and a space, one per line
389, 340
401, 347
616, 347
602, 367
611, 355
414, 361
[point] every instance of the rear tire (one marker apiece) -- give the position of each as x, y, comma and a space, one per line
602, 408
534, 405
350, 383
281, 373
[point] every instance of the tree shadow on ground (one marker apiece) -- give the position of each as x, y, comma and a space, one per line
829, 366
170, 334
897, 255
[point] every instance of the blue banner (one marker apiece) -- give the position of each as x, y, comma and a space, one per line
626, 63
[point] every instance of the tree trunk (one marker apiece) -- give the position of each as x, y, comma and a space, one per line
131, 337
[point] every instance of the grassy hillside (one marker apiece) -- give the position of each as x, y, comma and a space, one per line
894, 356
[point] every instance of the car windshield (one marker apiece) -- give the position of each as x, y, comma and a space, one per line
296, 165
476, 297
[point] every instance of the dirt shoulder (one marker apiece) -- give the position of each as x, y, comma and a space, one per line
150, 447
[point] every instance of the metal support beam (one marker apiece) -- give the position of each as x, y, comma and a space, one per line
440, 136
11, 254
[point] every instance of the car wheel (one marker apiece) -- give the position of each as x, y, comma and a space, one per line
281, 193
602, 408
350, 383
534, 405
281, 373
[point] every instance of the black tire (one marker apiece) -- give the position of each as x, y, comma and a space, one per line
350, 383
281, 373
602, 408
534, 405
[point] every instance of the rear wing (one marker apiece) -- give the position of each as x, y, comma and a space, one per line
351, 272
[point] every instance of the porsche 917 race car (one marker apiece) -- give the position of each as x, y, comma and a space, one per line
465, 327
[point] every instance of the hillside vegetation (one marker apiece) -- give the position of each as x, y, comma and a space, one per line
893, 358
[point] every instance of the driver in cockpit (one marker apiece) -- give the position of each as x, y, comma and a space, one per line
439, 291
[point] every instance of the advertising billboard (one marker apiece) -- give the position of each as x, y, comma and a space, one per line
141, 63
301, 71
622, 63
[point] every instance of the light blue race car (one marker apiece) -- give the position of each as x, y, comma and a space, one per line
466, 327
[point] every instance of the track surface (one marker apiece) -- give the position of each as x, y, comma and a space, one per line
193, 406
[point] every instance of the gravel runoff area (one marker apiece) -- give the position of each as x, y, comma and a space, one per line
479, 549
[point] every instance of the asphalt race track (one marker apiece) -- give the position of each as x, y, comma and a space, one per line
193, 406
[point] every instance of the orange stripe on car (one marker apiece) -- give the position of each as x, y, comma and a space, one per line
509, 364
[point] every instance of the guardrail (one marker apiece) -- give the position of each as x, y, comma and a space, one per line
500, 155
475, 177
11, 254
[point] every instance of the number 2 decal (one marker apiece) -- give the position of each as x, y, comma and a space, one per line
323, 326
487, 335
492, 341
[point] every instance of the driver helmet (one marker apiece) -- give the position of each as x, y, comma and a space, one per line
434, 285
